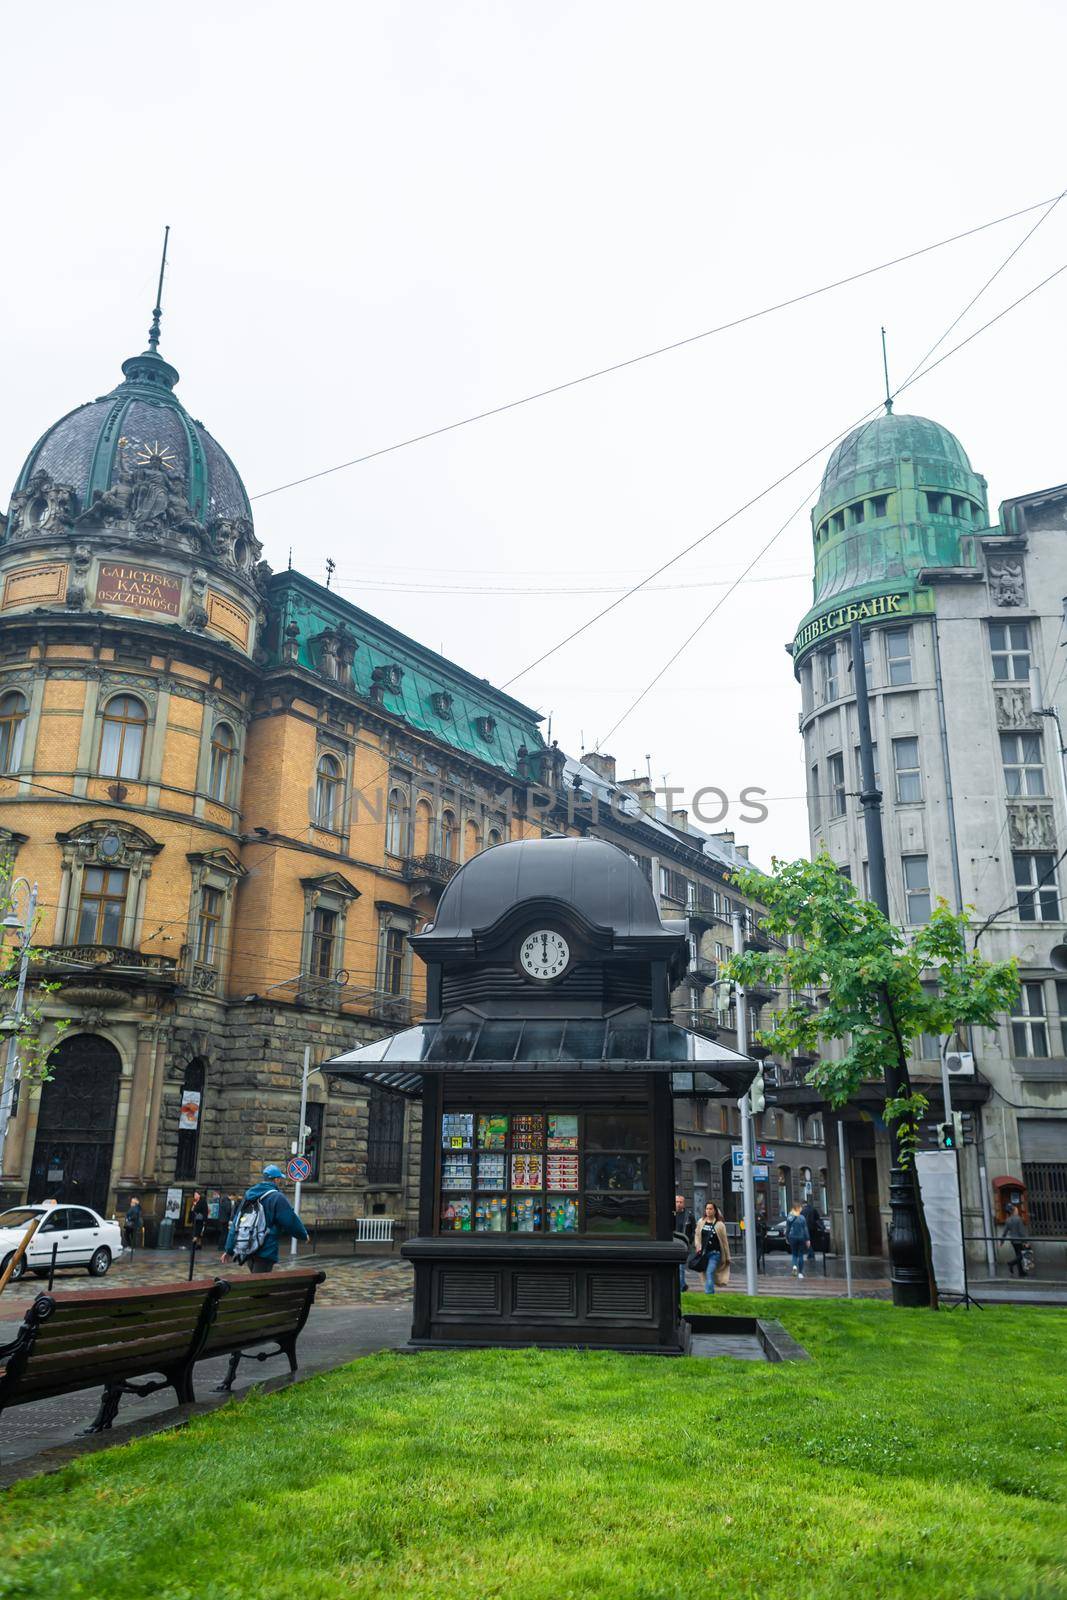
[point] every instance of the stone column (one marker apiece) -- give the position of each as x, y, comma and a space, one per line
132, 1166
150, 1148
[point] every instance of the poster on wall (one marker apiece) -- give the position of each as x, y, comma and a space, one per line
189, 1115
173, 1209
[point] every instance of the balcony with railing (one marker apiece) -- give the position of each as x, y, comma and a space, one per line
428, 874
67, 962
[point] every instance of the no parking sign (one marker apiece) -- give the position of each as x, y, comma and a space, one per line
299, 1169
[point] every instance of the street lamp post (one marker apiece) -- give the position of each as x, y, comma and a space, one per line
12, 1023
907, 1264
301, 1134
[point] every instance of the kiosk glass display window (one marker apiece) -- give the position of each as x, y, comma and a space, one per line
546, 1172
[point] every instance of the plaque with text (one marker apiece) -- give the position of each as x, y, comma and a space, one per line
140, 588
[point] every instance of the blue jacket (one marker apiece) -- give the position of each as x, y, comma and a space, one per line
796, 1231
281, 1218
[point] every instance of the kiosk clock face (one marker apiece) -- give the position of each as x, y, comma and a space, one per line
544, 954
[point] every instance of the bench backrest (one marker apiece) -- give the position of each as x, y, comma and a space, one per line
263, 1306
76, 1341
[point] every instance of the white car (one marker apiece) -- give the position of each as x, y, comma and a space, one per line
81, 1239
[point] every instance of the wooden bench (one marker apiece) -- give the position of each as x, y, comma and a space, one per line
75, 1341
114, 1336
265, 1308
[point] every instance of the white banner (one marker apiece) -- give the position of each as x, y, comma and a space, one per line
939, 1186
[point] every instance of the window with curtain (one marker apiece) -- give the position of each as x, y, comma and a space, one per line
395, 956
917, 888
102, 906
898, 655
1035, 885
1023, 762
906, 769
396, 823
13, 709
122, 737
329, 792
223, 762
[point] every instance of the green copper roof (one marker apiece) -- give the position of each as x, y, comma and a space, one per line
433, 695
879, 444
898, 495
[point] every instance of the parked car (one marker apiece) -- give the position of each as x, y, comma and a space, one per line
775, 1238
81, 1237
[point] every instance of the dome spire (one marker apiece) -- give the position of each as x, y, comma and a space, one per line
885, 364
157, 309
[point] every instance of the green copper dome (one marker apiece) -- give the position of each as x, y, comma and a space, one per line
898, 496
878, 445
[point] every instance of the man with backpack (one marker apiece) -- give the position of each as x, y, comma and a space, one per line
257, 1222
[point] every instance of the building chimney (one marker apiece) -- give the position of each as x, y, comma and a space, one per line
742, 850
603, 766
643, 793
724, 838
680, 818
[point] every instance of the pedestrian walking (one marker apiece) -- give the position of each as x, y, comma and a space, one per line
810, 1213
198, 1217
262, 1216
1015, 1235
798, 1239
226, 1203
133, 1222
685, 1227
712, 1245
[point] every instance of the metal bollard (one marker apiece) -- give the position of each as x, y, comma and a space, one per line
192, 1258
52, 1266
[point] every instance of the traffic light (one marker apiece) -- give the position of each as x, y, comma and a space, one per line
757, 1097
946, 1136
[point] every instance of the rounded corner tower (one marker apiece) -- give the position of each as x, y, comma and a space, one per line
898, 496
128, 504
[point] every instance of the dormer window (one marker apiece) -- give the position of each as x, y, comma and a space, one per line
485, 727
442, 703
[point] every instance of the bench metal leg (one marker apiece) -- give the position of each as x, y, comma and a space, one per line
231, 1373
110, 1401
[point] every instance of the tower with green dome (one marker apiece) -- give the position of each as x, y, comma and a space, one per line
899, 496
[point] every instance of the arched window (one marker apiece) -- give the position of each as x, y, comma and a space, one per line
824, 1193
122, 739
12, 729
223, 761
785, 1191
472, 842
449, 835
493, 837
396, 823
329, 792
190, 1115
807, 1187
423, 827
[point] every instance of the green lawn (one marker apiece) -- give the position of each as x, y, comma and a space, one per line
918, 1454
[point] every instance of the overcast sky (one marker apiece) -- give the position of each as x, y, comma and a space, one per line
386, 217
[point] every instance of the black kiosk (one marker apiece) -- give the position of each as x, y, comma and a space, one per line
546, 1067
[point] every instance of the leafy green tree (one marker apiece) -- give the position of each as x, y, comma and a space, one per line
877, 987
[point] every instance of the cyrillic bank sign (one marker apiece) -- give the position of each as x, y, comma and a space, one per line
898, 603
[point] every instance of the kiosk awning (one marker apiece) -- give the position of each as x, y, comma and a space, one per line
576, 1044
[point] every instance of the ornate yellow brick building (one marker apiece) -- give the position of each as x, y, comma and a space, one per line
237, 795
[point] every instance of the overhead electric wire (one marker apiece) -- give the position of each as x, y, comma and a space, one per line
769, 488
647, 355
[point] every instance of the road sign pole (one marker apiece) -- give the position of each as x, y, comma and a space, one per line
300, 1137
747, 1131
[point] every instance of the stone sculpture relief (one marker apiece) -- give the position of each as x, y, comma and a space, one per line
1007, 586
43, 506
1013, 706
1031, 827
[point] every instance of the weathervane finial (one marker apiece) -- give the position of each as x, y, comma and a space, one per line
157, 309
885, 369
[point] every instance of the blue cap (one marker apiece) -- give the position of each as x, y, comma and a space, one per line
273, 1171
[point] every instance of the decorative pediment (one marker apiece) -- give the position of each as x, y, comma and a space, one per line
114, 843
330, 883
221, 860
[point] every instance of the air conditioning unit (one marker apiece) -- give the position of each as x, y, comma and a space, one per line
960, 1064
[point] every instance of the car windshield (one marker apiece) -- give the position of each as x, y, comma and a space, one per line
19, 1217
